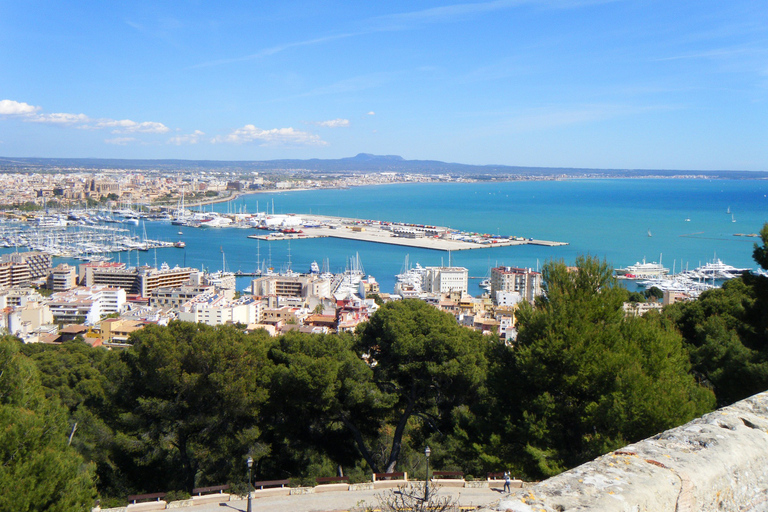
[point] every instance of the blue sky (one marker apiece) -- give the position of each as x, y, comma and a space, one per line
553, 83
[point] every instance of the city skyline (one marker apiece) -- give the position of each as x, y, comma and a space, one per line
560, 83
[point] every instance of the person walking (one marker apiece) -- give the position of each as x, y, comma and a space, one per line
507, 482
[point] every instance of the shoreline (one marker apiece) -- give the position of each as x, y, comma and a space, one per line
236, 195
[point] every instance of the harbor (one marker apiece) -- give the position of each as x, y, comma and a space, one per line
439, 238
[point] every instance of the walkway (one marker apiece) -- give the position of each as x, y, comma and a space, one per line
341, 501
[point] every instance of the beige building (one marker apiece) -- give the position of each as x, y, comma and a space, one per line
300, 286
140, 281
116, 330
524, 281
63, 277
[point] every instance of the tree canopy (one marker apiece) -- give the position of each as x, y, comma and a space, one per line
587, 379
38, 470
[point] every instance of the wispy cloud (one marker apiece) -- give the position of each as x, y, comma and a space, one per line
332, 123
59, 118
274, 137
716, 53
407, 21
121, 141
128, 126
266, 52
552, 117
190, 138
354, 84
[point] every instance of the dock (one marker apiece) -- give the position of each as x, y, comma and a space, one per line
409, 235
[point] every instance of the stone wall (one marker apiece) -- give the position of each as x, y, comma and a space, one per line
718, 462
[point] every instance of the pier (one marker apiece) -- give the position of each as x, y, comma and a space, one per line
438, 238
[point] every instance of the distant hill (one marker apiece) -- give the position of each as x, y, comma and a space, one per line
363, 162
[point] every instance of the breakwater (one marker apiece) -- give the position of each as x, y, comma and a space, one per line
439, 238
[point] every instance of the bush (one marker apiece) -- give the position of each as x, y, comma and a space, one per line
176, 496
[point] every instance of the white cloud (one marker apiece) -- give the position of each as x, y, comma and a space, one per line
371, 113
30, 114
273, 137
128, 126
333, 123
16, 108
190, 138
120, 141
59, 118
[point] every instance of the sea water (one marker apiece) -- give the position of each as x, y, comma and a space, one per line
681, 222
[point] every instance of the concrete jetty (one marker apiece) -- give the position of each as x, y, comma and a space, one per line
438, 238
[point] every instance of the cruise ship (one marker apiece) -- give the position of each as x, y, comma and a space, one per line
642, 271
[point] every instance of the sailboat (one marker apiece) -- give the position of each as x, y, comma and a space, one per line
728, 210
732, 218
649, 233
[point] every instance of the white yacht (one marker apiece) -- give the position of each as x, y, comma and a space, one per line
719, 270
642, 271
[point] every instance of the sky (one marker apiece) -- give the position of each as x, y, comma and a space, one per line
635, 84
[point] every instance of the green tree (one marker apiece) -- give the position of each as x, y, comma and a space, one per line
190, 397
322, 395
73, 373
726, 330
760, 252
427, 363
39, 471
587, 379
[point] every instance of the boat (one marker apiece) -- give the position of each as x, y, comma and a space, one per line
642, 271
180, 244
314, 268
718, 270
728, 211
649, 233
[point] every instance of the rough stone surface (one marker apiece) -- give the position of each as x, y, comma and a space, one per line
301, 490
716, 463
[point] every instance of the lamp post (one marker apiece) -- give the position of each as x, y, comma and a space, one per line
427, 453
249, 461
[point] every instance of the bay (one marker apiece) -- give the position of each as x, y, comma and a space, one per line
607, 218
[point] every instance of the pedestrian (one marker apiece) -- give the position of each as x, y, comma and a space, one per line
507, 482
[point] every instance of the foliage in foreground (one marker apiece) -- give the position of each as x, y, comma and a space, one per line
587, 379
38, 470
186, 404
727, 332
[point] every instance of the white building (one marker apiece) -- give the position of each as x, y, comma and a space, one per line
446, 279
216, 309
507, 299
86, 304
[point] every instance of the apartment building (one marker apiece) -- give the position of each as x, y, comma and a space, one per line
524, 281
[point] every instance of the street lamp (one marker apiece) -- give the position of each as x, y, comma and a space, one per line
249, 461
427, 453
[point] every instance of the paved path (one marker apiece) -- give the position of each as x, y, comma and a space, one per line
341, 501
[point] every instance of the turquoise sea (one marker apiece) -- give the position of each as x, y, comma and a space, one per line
611, 219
